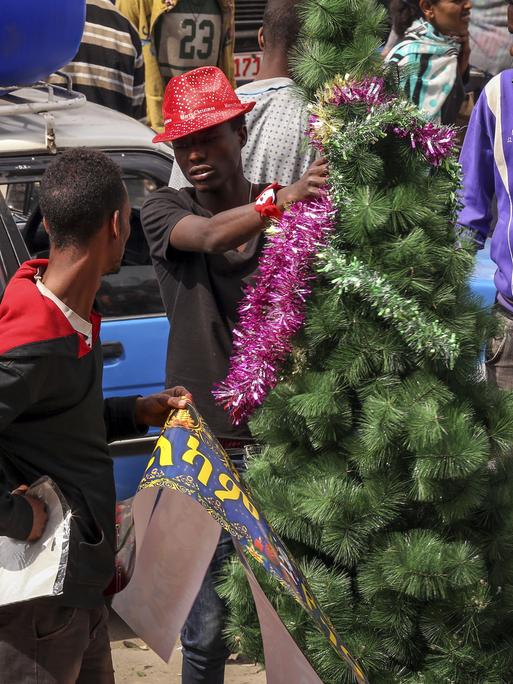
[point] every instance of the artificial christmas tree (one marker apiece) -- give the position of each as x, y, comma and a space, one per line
387, 466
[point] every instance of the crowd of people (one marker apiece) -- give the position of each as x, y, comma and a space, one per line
170, 62
445, 51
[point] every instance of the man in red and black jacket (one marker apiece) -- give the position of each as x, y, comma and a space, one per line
54, 422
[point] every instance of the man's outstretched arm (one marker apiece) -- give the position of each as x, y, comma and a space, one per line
129, 416
234, 227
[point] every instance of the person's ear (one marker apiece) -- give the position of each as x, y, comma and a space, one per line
115, 225
261, 41
46, 226
426, 9
243, 136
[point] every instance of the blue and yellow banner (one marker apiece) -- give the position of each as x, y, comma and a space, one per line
189, 459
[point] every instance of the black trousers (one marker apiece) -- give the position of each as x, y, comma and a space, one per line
44, 643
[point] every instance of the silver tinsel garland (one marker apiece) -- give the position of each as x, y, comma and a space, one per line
422, 334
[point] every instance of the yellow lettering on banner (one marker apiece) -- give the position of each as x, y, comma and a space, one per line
232, 492
190, 456
247, 503
331, 632
166, 451
310, 601
333, 638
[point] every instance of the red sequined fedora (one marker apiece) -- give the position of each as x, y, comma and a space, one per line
197, 100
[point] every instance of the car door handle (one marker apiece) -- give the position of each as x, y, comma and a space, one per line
112, 350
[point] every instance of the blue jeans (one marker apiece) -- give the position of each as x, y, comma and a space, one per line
204, 650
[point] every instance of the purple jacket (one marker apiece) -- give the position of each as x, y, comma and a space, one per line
487, 162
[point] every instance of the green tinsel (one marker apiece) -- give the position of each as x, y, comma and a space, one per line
349, 274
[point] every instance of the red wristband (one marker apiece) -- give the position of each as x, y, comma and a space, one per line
265, 203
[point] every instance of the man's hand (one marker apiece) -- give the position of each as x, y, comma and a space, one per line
464, 56
39, 514
155, 408
309, 185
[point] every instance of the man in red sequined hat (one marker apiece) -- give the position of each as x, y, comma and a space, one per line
205, 242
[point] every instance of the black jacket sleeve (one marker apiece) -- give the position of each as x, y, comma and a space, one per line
16, 393
119, 416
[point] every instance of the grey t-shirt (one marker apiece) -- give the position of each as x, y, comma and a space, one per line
201, 294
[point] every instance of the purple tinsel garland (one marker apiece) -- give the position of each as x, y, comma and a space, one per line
273, 308
435, 142
370, 91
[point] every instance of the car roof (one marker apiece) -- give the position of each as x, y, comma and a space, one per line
87, 125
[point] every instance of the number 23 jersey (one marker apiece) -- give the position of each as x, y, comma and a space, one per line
188, 36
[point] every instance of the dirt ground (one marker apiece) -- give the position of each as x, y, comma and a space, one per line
134, 662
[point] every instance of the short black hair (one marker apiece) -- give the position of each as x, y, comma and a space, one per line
281, 25
80, 190
404, 13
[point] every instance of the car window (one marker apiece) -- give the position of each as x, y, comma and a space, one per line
12, 248
134, 291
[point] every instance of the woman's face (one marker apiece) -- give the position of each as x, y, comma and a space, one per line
450, 17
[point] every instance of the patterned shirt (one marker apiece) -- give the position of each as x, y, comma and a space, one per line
108, 67
277, 149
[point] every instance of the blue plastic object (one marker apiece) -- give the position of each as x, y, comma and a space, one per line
481, 282
37, 37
